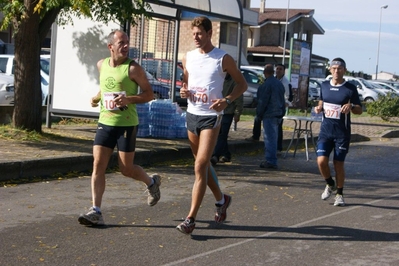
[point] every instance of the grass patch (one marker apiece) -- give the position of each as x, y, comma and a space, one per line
11, 133
8, 132
77, 121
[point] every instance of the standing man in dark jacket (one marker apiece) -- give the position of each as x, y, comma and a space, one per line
271, 109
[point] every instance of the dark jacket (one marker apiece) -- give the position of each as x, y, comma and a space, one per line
271, 101
237, 106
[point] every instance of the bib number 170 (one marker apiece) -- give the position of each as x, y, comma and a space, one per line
199, 97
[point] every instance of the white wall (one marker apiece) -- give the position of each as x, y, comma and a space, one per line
75, 52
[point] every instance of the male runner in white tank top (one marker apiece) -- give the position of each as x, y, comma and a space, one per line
204, 71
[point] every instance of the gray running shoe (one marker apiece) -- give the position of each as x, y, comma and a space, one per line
327, 192
154, 194
221, 210
186, 227
339, 200
92, 218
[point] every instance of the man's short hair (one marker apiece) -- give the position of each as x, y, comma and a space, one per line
202, 21
283, 66
338, 62
111, 36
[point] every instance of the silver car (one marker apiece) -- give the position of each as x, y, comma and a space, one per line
253, 80
6, 89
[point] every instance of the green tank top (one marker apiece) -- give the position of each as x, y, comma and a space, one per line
115, 80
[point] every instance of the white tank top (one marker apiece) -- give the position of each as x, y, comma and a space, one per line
205, 80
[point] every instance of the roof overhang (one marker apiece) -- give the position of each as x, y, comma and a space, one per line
224, 10
309, 23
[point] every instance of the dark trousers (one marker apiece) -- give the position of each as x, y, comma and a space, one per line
280, 136
222, 147
257, 128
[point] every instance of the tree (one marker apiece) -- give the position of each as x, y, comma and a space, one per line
30, 21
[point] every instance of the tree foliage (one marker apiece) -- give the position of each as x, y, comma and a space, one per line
30, 21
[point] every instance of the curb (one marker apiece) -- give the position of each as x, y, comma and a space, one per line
50, 167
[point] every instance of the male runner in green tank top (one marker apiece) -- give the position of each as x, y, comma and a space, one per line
120, 78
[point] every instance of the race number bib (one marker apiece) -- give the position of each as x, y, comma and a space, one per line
199, 96
108, 98
332, 111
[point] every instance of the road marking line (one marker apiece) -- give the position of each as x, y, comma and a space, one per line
279, 231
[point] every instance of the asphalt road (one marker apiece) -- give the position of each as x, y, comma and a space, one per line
276, 217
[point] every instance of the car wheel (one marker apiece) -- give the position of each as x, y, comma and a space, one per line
369, 100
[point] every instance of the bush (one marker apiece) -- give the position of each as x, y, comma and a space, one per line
386, 107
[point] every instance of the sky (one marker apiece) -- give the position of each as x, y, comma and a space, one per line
352, 30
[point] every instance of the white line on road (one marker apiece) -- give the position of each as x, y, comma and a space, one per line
275, 232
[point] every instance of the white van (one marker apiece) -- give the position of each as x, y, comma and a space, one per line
367, 92
7, 67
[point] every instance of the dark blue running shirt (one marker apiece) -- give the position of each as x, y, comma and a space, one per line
335, 97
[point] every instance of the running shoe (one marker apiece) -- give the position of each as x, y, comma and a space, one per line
225, 159
268, 165
221, 213
154, 194
339, 200
327, 192
92, 218
186, 227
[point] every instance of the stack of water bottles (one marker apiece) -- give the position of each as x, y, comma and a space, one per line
143, 110
164, 118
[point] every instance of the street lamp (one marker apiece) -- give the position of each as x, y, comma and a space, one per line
378, 49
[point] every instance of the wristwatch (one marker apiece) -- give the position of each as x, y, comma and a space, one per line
228, 101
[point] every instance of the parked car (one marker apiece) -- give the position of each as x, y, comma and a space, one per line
161, 70
6, 89
394, 84
383, 88
313, 92
387, 86
7, 67
160, 90
248, 99
253, 80
314, 88
257, 69
367, 91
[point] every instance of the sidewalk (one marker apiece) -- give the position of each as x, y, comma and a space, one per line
72, 152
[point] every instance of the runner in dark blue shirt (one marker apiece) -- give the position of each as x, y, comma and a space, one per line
337, 99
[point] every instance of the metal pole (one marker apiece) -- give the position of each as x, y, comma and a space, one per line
285, 33
379, 35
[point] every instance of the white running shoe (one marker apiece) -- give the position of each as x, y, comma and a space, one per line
339, 200
327, 192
